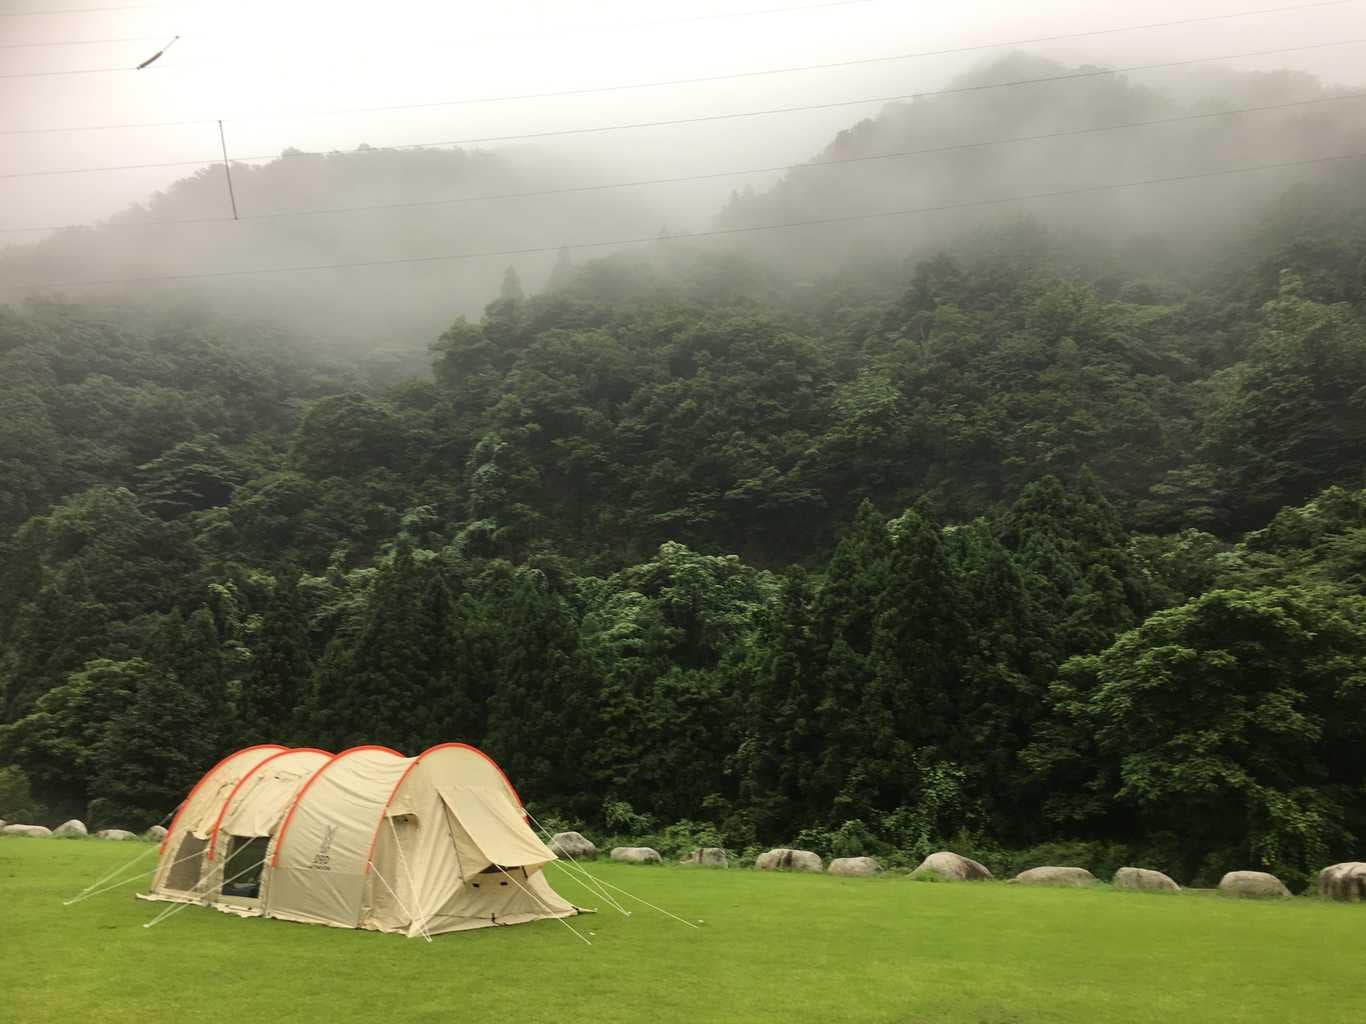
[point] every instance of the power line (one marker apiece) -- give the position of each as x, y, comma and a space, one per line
574, 189
704, 118
497, 35
79, 42
717, 78
716, 232
588, 28
77, 10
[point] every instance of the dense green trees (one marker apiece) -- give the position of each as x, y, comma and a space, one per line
998, 553
1229, 724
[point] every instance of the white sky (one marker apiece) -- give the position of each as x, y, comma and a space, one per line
268, 67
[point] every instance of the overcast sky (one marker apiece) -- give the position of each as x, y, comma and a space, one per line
273, 69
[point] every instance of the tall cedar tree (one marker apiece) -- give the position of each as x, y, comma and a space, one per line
389, 685
1005, 670
783, 738
271, 707
153, 752
842, 641
914, 703
539, 725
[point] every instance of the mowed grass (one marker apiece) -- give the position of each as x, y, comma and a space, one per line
771, 947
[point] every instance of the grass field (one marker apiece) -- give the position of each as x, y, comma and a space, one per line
772, 947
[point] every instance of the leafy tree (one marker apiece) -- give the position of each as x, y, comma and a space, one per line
1227, 721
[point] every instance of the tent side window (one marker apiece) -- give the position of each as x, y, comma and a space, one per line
184, 873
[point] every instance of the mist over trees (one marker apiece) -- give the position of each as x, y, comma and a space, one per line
1040, 527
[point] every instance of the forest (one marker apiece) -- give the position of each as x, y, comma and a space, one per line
1039, 538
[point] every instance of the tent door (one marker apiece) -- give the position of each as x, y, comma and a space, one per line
397, 847
240, 884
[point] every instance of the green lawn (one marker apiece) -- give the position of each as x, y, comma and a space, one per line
772, 947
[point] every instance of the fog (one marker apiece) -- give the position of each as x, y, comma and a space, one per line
309, 76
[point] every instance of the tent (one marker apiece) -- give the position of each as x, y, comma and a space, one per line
366, 838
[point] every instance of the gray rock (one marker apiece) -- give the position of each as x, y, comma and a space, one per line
708, 857
1346, 882
854, 866
782, 859
1056, 876
952, 868
572, 846
34, 831
636, 855
155, 834
1253, 885
1145, 879
72, 828
114, 833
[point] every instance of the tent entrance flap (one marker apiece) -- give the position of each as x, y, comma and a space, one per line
495, 826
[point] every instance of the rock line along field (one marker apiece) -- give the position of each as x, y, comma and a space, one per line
773, 947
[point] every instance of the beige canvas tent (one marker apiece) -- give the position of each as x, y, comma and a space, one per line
366, 838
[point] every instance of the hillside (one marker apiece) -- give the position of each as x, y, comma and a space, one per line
1060, 134
1041, 540
362, 206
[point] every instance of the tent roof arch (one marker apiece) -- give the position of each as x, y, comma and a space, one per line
226, 763
430, 751
247, 777
303, 791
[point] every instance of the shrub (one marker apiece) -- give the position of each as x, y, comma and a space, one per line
1101, 859
16, 797
620, 816
683, 837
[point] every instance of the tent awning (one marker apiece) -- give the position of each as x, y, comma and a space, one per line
495, 825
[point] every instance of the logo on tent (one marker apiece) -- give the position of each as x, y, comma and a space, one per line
321, 859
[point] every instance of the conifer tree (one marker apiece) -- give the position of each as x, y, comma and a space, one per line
1005, 669
153, 752
273, 702
538, 715
511, 288
199, 670
372, 691
844, 615
913, 701
783, 736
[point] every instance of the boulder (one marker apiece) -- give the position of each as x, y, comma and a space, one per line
72, 828
708, 857
572, 846
854, 866
1056, 876
788, 860
35, 831
1145, 879
155, 834
114, 833
951, 868
636, 855
1346, 882
1253, 885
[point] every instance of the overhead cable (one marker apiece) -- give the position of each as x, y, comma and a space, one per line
676, 179
719, 78
711, 233
703, 118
